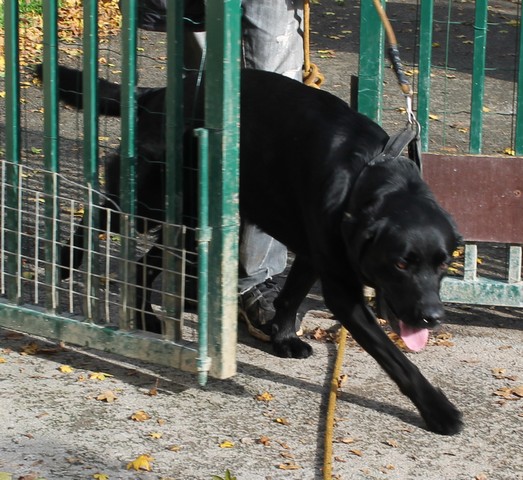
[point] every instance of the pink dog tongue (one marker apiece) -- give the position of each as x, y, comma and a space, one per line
415, 338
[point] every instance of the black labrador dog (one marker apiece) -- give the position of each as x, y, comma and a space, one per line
307, 178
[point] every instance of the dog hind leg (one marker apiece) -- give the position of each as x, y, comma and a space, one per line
147, 270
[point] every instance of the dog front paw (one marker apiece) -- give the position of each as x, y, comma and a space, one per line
291, 347
441, 416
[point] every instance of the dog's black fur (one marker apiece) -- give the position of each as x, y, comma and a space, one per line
307, 180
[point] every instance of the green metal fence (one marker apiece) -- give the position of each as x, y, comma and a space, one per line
465, 62
41, 199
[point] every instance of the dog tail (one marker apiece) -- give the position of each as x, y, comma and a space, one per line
70, 82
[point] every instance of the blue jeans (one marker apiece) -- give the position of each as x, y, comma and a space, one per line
271, 40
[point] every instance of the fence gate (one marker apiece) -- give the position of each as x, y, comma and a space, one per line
468, 96
50, 180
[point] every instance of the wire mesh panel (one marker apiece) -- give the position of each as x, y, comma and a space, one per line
463, 59
88, 264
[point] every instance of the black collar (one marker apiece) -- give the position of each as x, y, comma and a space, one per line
408, 137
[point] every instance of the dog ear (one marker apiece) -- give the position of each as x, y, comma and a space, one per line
358, 234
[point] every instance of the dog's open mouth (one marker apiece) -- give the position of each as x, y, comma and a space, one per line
415, 338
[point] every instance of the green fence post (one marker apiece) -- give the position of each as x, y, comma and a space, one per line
172, 236
221, 119
478, 76
51, 150
128, 164
204, 237
90, 152
425, 59
371, 61
12, 151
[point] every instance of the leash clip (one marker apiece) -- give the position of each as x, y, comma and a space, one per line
411, 117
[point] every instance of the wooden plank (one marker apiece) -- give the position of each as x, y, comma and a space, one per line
483, 194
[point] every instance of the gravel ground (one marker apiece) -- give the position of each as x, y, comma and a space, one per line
57, 425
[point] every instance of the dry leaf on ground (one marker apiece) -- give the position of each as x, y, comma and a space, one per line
140, 416
143, 462
264, 397
99, 376
288, 466
107, 396
66, 369
226, 444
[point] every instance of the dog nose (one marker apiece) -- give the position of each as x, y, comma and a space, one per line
433, 315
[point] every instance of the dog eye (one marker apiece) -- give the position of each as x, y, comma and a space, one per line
402, 265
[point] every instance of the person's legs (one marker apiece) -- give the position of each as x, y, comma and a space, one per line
272, 36
272, 41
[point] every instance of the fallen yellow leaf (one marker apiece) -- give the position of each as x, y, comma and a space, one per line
66, 369
266, 441
143, 462
346, 440
264, 397
99, 376
518, 391
504, 392
140, 416
107, 396
288, 466
100, 476
226, 444
281, 421
156, 435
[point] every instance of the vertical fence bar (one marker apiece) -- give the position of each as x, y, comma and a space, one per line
51, 147
518, 141
128, 163
90, 150
470, 262
172, 287
425, 59
478, 76
371, 61
514, 264
221, 119
204, 237
12, 150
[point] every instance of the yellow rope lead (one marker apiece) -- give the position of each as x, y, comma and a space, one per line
311, 73
331, 406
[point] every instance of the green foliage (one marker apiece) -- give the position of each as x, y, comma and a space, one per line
32, 7
228, 476
25, 8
